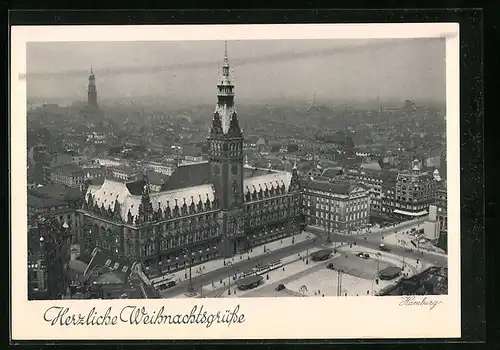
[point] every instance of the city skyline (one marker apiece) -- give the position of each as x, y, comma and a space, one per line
185, 72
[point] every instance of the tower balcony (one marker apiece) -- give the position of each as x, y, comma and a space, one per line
226, 93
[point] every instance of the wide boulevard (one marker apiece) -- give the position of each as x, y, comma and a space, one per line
239, 266
372, 240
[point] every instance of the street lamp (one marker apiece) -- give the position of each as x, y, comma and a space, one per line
200, 272
229, 264
190, 289
329, 237
307, 251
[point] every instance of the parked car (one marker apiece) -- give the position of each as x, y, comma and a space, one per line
363, 255
280, 287
330, 266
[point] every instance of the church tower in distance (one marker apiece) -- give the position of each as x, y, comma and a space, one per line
226, 145
92, 92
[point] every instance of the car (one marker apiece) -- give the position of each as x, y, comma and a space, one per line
280, 287
383, 247
330, 266
363, 255
366, 256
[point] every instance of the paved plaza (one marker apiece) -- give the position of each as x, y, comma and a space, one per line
216, 264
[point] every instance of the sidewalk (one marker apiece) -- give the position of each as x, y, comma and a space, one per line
218, 263
292, 265
404, 240
406, 225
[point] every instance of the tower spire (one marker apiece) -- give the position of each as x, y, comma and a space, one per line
92, 92
225, 118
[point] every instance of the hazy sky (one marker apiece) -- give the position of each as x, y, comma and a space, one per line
262, 70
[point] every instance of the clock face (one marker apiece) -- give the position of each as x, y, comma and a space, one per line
234, 169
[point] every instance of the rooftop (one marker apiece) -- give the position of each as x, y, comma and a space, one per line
40, 203
321, 253
57, 191
333, 187
103, 259
432, 281
68, 169
249, 172
248, 280
189, 175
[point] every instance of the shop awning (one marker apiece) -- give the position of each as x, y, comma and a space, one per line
409, 213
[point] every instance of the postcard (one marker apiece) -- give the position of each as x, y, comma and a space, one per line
235, 182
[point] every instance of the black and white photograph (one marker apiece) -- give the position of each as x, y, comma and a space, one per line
201, 170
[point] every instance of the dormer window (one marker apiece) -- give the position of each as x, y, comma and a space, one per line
115, 266
108, 262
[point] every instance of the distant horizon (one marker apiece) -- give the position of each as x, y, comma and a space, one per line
265, 70
140, 101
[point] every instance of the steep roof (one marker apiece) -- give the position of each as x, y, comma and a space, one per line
129, 197
269, 180
189, 175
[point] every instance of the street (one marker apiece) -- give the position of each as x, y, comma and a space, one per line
372, 241
375, 241
239, 265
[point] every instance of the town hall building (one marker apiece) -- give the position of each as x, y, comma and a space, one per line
207, 210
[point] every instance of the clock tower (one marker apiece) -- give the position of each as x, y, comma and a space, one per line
226, 145
226, 159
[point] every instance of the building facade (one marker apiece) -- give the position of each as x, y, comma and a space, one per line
442, 208
375, 181
164, 169
68, 175
53, 208
125, 173
48, 259
205, 210
415, 192
335, 206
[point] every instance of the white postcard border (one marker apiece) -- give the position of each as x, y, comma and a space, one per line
264, 318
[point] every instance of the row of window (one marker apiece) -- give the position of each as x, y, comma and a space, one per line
349, 217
